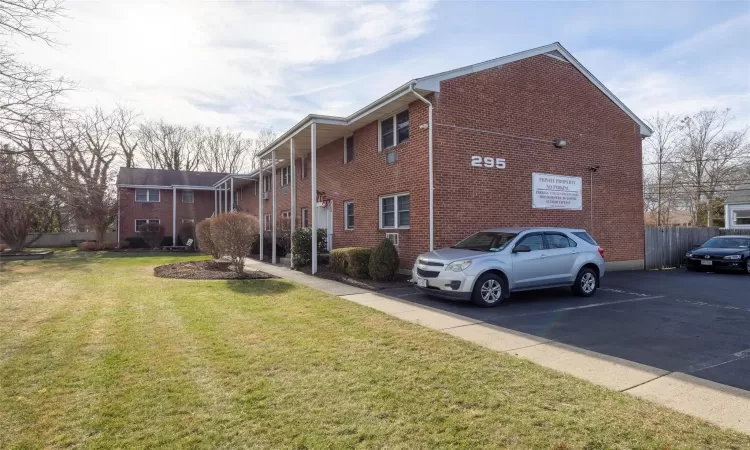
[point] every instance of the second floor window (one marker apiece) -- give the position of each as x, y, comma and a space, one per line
188, 197
394, 130
285, 175
266, 183
147, 195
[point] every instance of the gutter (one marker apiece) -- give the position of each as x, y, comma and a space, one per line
432, 186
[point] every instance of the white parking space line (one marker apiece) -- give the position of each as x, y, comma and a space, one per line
720, 362
593, 305
712, 305
620, 291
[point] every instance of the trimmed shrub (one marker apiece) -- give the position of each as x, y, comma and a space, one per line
281, 251
233, 235
302, 246
203, 237
94, 246
135, 242
353, 261
152, 234
384, 261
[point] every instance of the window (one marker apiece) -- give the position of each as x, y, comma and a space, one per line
742, 217
304, 167
286, 217
139, 222
557, 240
585, 237
304, 218
534, 241
285, 175
394, 211
188, 221
348, 215
486, 241
349, 149
266, 183
147, 195
394, 130
188, 197
267, 222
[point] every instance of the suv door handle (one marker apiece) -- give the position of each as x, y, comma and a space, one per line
543, 256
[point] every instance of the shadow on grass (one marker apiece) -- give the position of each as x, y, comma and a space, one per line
260, 287
147, 254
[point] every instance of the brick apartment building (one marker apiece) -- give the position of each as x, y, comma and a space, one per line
530, 139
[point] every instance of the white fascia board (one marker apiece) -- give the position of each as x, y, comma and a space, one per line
192, 188
144, 186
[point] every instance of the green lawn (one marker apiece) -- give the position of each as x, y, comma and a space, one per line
95, 352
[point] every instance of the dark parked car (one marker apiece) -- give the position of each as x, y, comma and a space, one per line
721, 253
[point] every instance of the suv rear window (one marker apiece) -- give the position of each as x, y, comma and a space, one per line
585, 236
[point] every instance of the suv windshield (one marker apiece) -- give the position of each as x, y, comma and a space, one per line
722, 242
486, 241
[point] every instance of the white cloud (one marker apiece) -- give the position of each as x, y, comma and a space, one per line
238, 65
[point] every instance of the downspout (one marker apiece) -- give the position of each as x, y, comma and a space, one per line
429, 152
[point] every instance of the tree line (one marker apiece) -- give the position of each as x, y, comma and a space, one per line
58, 164
691, 165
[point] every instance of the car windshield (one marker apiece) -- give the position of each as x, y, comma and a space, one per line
725, 242
486, 241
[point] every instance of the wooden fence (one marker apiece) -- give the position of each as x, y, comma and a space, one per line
666, 247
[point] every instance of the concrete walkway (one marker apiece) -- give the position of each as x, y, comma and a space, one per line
722, 405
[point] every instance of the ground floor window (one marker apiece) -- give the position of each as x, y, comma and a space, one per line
140, 222
286, 216
394, 211
267, 222
349, 215
188, 221
304, 218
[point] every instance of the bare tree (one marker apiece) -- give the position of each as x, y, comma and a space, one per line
265, 137
221, 151
124, 124
27, 202
660, 149
28, 93
167, 146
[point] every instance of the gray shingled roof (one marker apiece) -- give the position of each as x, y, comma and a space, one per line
741, 194
159, 177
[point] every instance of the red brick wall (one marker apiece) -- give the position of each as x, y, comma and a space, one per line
130, 210
541, 98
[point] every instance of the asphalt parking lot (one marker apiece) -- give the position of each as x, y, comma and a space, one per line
695, 323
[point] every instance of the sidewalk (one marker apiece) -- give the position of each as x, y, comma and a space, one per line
722, 405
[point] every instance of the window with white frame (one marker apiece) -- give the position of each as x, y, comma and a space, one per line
304, 167
147, 195
348, 215
286, 177
266, 183
394, 211
267, 222
349, 149
394, 130
305, 223
286, 217
188, 197
742, 217
141, 222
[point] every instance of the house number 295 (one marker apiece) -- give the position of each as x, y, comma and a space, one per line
488, 161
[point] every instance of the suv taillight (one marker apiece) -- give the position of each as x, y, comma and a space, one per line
601, 252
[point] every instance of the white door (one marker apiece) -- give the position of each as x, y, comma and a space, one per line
325, 221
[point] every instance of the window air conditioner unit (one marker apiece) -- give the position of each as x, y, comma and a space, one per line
393, 237
285, 190
265, 195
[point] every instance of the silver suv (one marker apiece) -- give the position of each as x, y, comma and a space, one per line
487, 266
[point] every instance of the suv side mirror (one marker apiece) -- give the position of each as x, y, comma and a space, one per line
521, 249
696, 245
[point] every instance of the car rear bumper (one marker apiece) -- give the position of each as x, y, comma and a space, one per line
716, 264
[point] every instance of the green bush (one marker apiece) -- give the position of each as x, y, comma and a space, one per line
352, 261
384, 261
94, 246
302, 246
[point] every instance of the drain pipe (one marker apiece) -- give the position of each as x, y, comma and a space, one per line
432, 187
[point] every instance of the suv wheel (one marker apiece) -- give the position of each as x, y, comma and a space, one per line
747, 266
586, 281
489, 290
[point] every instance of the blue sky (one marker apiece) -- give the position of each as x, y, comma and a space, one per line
244, 65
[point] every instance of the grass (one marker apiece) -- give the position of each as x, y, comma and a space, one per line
95, 352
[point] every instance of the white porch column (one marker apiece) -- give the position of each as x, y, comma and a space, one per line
273, 207
314, 189
174, 216
261, 219
226, 198
231, 192
216, 202
294, 194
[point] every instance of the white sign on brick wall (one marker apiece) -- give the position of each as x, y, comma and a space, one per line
556, 191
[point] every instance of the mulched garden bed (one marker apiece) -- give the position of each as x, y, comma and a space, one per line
326, 272
206, 270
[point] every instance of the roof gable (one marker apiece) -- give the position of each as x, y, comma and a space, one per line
556, 50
